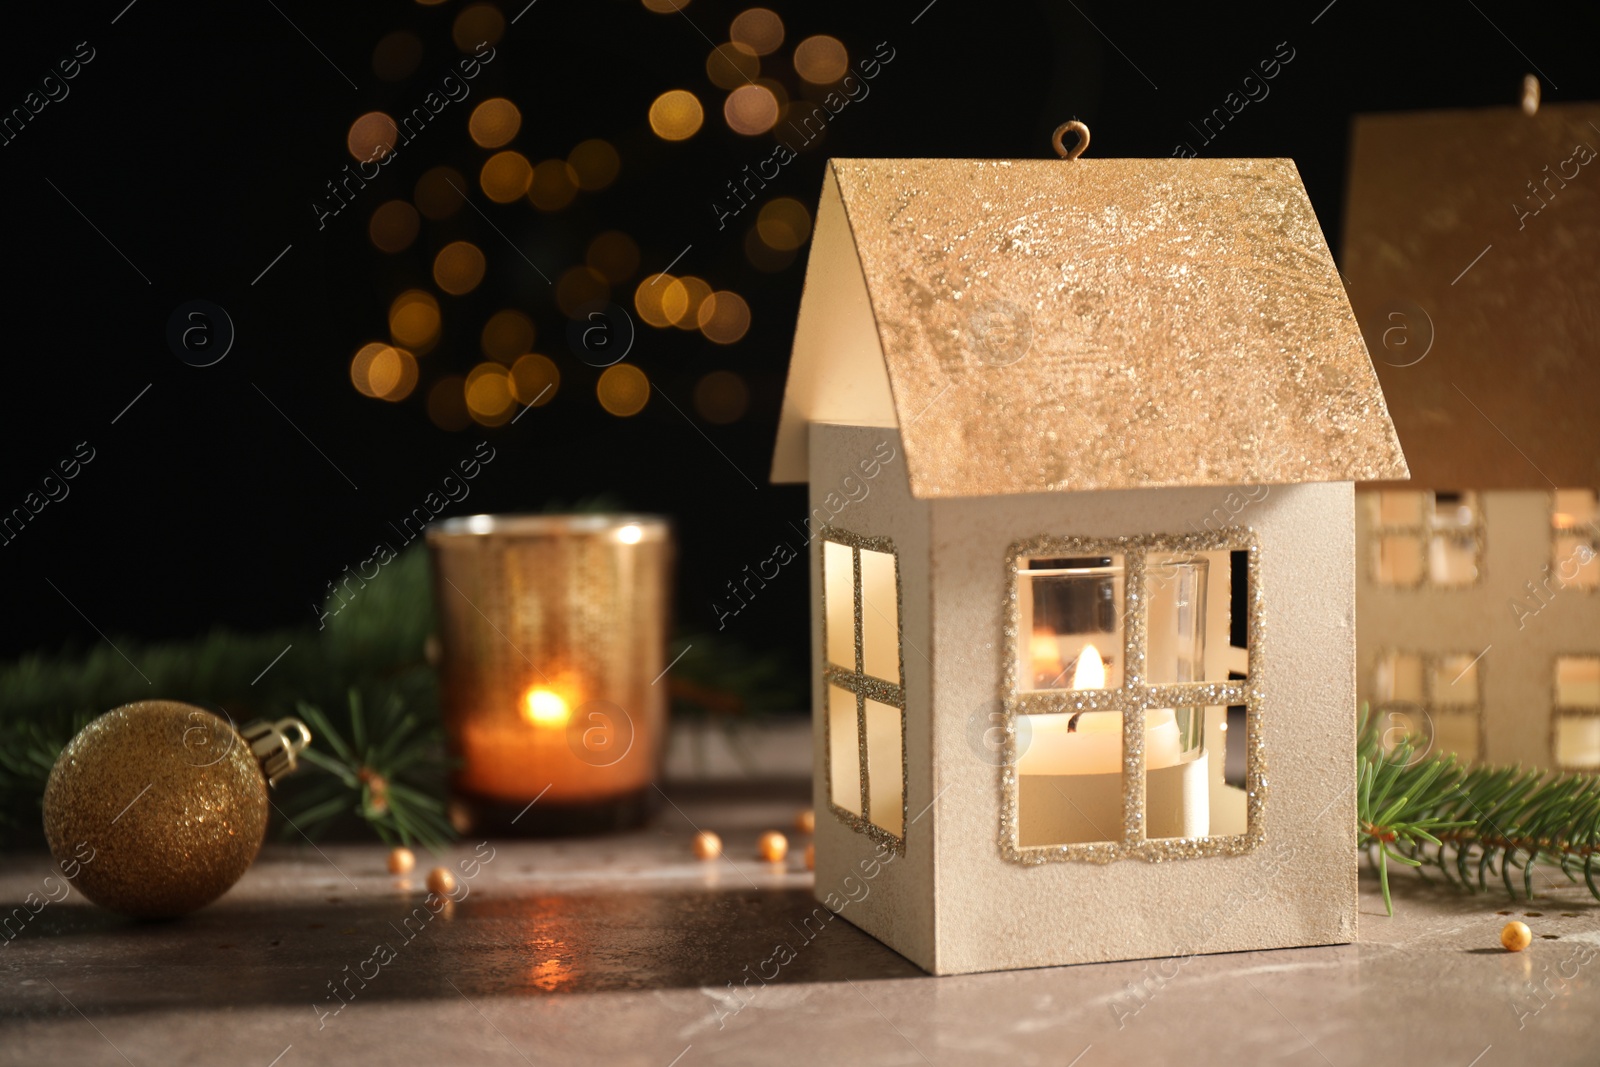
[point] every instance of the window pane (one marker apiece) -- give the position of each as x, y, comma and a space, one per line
1195, 616
1455, 681
1399, 559
880, 616
1179, 779
1399, 507
1069, 780
885, 771
1578, 681
1576, 561
839, 588
1454, 511
1071, 614
1457, 732
1398, 676
1578, 741
1453, 559
844, 749
1573, 508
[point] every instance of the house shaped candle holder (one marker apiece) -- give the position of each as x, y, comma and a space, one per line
1081, 439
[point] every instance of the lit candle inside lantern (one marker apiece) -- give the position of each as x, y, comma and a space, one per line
1090, 742
545, 707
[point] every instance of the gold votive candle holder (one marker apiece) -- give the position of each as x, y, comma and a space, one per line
553, 632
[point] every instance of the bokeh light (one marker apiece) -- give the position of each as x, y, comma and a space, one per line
392, 374
439, 193
554, 185
721, 397
397, 55
623, 390
361, 364
732, 65
371, 136
595, 163
665, 7
578, 286
447, 403
478, 24
494, 122
821, 60
784, 223
614, 254
676, 115
458, 268
723, 317
508, 334
393, 226
488, 394
681, 302
505, 176
535, 380
758, 29
750, 109
647, 299
414, 319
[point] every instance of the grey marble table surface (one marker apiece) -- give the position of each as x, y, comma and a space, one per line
626, 950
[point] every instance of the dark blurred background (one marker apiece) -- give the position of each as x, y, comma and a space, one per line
190, 150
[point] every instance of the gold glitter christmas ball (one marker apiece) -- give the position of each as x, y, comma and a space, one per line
707, 845
401, 861
441, 881
164, 799
1516, 936
772, 846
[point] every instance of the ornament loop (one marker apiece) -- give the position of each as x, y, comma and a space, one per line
277, 746
1077, 150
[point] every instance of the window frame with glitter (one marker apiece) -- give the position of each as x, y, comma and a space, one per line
870, 694
1394, 713
1134, 696
1422, 534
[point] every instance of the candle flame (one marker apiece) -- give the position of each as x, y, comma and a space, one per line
543, 707
1090, 672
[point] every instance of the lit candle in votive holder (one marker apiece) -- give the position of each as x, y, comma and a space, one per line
553, 630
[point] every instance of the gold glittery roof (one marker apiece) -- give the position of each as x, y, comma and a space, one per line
1042, 325
1477, 232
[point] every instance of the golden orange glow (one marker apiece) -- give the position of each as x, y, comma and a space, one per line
750, 109
447, 407
721, 397
554, 185
1044, 654
732, 65
439, 193
397, 55
676, 115
578, 286
784, 224
393, 374
494, 122
505, 176
821, 60
648, 299
371, 136
595, 163
623, 390
665, 7
414, 318
478, 23
534, 380
488, 394
758, 29
614, 254
361, 365
393, 226
545, 707
508, 334
1090, 672
723, 317
458, 268
681, 302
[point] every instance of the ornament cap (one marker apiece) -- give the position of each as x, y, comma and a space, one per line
276, 746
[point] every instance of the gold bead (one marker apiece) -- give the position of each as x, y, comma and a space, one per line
811, 857
159, 805
773, 846
707, 845
806, 821
441, 881
1516, 936
401, 860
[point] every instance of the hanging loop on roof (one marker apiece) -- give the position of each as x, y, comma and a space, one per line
1530, 95
1077, 150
